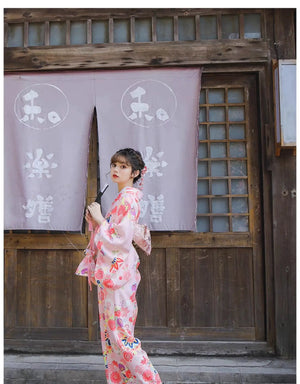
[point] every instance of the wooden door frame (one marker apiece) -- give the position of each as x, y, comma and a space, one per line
20, 241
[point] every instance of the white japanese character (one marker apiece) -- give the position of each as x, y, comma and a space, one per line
139, 106
38, 165
156, 208
154, 163
44, 207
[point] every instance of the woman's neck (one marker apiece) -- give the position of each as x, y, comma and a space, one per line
124, 185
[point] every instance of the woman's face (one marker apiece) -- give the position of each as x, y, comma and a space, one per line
121, 172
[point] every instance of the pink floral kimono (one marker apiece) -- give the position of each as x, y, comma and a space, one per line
115, 271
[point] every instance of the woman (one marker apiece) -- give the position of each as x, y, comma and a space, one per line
111, 262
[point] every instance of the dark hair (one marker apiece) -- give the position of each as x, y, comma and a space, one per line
133, 158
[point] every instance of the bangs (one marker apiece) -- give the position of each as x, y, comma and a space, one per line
118, 158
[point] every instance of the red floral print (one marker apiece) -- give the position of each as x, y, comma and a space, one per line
148, 375
115, 377
116, 272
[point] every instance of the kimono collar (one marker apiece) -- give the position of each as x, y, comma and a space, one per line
132, 191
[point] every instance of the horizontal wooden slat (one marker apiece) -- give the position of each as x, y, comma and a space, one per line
204, 348
49, 333
159, 240
194, 334
45, 241
134, 55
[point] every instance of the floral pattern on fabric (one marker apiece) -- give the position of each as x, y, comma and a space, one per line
112, 262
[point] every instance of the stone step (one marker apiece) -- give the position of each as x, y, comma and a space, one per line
89, 369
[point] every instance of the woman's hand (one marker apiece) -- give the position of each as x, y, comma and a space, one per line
94, 214
89, 219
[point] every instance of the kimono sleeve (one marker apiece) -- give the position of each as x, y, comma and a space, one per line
117, 234
142, 238
115, 261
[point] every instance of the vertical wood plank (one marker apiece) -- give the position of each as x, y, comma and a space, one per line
68, 32
26, 30
154, 34
197, 21
10, 287
5, 34
204, 288
92, 298
110, 30
89, 31
79, 294
173, 286
47, 33
152, 291
219, 26
176, 32
242, 26
132, 29
187, 291
93, 327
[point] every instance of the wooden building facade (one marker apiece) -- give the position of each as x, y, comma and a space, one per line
227, 289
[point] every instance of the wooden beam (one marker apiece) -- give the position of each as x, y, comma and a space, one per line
159, 240
134, 55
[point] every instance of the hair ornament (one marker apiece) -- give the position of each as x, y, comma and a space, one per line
143, 172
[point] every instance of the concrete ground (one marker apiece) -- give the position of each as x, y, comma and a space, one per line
89, 369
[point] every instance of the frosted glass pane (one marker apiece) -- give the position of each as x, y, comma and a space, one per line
164, 29
217, 132
100, 32
78, 33
252, 29
216, 96
216, 114
237, 132
236, 95
220, 224
186, 28
239, 205
143, 30
240, 224
230, 27
238, 150
219, 187
218, 150
202, 115
239, 187
202, 132
202, 97
202, 152
238, 168
203, 187
220, 205
15, 35
236, 114
203, 224
218, 168
121, 31
202, 206
36, 34
57, 33
202, 169
208, 28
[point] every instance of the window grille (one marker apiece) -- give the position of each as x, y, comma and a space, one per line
134, 29
222, 161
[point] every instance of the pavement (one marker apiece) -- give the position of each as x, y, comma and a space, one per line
89, 369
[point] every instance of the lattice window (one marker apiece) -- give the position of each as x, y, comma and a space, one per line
222, 165
136, 29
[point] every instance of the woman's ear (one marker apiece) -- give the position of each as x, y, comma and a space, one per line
135, 174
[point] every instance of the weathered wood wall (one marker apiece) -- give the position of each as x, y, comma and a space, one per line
284, 209
195, 287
